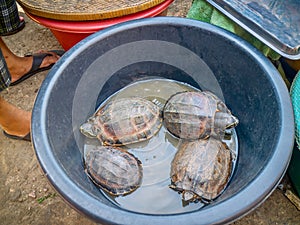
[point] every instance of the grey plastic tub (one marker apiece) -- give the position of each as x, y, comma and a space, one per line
186, 50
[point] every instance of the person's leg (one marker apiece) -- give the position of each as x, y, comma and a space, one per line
14, 121
10, 21
18, 66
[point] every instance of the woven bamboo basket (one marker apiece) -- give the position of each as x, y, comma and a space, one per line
74, 10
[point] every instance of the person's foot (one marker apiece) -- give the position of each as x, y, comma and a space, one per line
20, 126
13, 120
22, 65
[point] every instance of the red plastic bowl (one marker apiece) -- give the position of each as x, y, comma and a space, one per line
68, 33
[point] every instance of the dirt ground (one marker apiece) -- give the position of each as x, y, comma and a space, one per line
26, 197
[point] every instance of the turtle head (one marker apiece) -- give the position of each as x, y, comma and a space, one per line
88, 129
224, 120
231, 122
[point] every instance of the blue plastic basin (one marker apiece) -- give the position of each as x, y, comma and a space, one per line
186, 50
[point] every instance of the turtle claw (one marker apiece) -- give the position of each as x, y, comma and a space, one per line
227, 134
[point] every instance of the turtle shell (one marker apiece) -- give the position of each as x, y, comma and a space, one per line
193, 115
201, 169
113, 169
124, 121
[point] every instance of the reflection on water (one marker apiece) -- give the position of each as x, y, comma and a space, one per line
156, 154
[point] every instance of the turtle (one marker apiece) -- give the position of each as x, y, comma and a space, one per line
124, 121
113, 169
200, 169
197, 114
